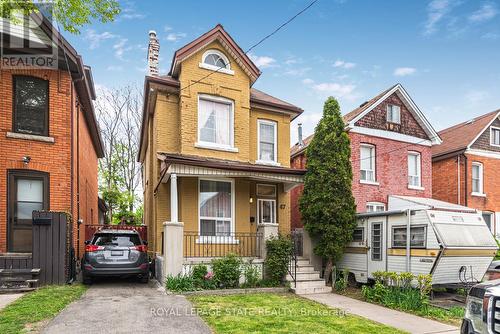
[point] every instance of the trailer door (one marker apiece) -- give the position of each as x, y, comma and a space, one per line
376, 246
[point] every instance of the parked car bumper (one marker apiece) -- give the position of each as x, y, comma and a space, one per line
93, 271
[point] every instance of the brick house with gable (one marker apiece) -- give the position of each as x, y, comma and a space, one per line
391, 144
466, 167
49, 143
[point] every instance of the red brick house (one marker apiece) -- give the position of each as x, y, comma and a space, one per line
391, 144
466, 167
49, 143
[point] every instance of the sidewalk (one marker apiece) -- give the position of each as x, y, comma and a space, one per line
400, 320
6, 299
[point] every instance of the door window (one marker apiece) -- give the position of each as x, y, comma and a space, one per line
267, 211
377, 241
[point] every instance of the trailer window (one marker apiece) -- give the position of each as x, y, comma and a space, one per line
377, 242
417, 237
358, 235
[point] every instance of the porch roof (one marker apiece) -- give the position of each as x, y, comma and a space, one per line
184, 165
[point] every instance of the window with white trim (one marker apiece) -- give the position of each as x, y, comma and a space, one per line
495, 136
216, 206
267, 211
367, 163
215, 121
375, 207
216, 59
267, 137
418, 235
477, 178
393, 114
414, 169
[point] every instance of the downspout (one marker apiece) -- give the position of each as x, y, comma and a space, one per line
78, 180
458, 179
72, 186
408, 240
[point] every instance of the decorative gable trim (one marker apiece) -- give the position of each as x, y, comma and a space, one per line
391, 135
412, 107
486, 128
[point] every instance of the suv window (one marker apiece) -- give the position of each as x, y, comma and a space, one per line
114, 239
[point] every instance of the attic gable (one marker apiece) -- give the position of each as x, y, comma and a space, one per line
484, 140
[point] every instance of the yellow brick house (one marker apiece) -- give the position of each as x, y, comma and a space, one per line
215, 155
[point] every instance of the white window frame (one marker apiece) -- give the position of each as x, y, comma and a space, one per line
491, 136
404, 227
275, 126
261, 200
419, 170
210, 67
479, 193
217, 239
374, 164
390, 108
375, 204
214, 146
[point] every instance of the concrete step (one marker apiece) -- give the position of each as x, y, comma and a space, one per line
310, 291
305, 269
302, 276
308, 284
303, 262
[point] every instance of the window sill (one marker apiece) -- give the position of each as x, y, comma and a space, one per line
25, 136
478, 194
269, 163
216, 69
217, 240
215, 147
371, 183
415, 187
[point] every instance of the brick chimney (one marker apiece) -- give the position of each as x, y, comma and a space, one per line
153, 53
300, 141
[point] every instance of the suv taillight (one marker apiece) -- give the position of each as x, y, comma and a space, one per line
93, 248
140, 248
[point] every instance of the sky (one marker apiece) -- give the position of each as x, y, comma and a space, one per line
446, 53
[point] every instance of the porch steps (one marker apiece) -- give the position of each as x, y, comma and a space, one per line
17, 280
308, 280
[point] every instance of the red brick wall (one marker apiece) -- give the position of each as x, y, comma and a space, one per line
391, 170
52, 158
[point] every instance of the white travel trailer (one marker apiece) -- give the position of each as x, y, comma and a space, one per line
421, 236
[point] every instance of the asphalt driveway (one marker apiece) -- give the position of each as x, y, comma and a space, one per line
126, 306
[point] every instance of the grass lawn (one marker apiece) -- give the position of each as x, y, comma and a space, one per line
39, 305
278, 313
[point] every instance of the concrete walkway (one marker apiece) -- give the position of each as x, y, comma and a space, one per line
403, 321
6, 299
127, 306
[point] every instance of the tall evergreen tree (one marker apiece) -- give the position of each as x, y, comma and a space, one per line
327, 204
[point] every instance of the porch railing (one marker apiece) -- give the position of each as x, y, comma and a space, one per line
297, 240
242, 244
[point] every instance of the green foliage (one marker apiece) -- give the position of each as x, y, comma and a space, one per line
497, 256
72, 15
327, 204
252, 275
342, 280
279, 249
180, 283
202, 278
227, 271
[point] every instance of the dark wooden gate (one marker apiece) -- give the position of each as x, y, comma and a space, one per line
53, 251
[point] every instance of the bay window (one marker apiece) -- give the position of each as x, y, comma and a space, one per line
216, 207
215, 122
367, 163
267, 145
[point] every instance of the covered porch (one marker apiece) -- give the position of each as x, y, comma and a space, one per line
216, 207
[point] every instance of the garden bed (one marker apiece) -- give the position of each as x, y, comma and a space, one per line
242, 291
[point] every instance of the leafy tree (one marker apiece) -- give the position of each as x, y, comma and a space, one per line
327, 204
71, 14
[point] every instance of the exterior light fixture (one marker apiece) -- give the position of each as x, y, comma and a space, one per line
26, 159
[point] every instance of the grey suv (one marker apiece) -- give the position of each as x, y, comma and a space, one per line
115, 253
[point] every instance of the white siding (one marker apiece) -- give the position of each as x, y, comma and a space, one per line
398, 264
448, 267
353, 262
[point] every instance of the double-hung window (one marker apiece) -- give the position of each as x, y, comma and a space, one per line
267, 146
417, 236
215, 122
367, 163
375, 207
477, 178
31, 106
495, 136
216, 208
393, 114
414, 170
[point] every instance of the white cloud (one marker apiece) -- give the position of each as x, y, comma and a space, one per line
475, 96
297, 72
175, 36
168, 28
436, 11
490, 36
262, 61
95, 38
308, 81
114, 68
343, 64
404, 71
121, 47
485, 13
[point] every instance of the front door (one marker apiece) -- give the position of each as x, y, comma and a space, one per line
376, 252
28, 191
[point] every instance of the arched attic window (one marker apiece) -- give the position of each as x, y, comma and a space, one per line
216, 61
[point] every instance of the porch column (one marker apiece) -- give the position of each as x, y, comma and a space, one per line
174, 207
173, 238
267, 231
